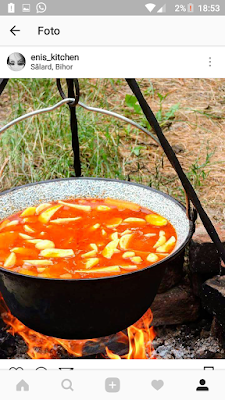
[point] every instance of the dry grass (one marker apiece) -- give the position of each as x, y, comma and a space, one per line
197, 132
200, 128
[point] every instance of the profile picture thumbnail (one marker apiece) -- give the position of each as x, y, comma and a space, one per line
16, 61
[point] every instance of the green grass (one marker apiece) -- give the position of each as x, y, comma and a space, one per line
40, 148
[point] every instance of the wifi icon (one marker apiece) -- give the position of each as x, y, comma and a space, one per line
150, 6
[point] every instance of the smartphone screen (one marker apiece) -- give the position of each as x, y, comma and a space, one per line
112, 118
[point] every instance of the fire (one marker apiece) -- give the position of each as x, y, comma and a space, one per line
138, 339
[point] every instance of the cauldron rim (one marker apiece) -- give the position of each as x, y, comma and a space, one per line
167, 259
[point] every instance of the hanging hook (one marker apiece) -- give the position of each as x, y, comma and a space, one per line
71, 84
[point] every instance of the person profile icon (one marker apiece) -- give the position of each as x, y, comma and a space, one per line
202, 388
16, 61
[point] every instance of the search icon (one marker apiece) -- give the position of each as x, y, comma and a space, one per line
41, 8
67, 384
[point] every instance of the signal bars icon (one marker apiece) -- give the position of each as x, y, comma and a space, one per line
150, 7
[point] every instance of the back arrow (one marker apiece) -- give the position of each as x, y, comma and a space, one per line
13, 30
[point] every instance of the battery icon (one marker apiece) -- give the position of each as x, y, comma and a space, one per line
190, 7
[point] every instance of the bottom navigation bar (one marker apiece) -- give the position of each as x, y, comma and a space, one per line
101, 384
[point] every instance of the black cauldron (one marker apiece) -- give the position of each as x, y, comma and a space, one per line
88, 308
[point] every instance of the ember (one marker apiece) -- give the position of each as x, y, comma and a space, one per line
135, 343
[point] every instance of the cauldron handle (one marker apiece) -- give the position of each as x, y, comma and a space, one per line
189, 190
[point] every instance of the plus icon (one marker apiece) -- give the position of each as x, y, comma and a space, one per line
112, 385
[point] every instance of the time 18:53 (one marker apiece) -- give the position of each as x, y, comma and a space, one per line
211, 8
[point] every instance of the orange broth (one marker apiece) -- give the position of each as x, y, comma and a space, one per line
84, 238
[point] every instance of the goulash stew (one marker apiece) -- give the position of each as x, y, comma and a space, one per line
84, 238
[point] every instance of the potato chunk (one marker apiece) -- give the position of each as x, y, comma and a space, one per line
156, 220
128, 254
28, 229
24, 271
42, 207
109, 248
38, 262
40, 270
45, 244
167, 246
150, 235
76, 206
34, 241
94, 227
103, 208
28, 212
136, 259
161, 240
106, 270
91, 253
124, 240
128, 267
114, 236
29, 220
91, 262
152, 257
123, 204
64, 220
56, 253
4, 224
66, 276
94, 246
21, 250
23, 236
10, 261
46, 215
13, 223
139, 221
113, 223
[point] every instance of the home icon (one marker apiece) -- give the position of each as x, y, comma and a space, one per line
22, 386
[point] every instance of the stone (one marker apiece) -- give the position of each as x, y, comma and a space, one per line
173, 274
204, 258
217, 331
213, 298
186, 342
197, 281
176, 306
178, 148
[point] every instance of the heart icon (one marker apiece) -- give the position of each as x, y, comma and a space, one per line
157, 385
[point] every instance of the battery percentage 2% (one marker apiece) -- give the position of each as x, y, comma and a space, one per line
180, 8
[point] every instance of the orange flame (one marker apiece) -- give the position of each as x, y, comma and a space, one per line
139, 339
